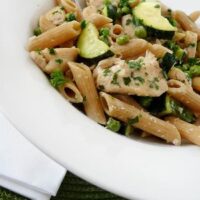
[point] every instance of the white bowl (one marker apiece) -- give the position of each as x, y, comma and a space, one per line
130, 168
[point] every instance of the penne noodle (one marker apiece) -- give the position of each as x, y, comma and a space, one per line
115, 31
158, 50
187, 130
184, 94
196, 83
179, 75
194, 16
191, 44
132, 49
71, 92
91, 15
55, 36
186, 23
85, 82
146, 122
53, 18
99, 20
129, 100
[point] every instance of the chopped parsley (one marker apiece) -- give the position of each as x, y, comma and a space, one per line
139, 79
127, 80
57, 78
128, 22
113, 125
135, 64
134, 120
52, 51
193, 45
70, 17
157, 6
153, 84
115, 78
37, 31
53, 13
106, 72
83, 24
59, 61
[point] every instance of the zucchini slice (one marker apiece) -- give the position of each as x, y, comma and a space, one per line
89, 44
149, 14
110, 11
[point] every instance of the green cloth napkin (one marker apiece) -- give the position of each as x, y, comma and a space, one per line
72, 188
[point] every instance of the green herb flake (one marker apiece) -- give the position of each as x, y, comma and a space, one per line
134, 120
113, 125
127, 80
106, 72
84, 99
83, 24
59, 61
37, 31
193, 45
128, 22
57, 78
104, 32
52, 51
157, 6
139, 79
70, 17
115, 78
136, 64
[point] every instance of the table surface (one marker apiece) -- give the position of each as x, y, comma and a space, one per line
72, 188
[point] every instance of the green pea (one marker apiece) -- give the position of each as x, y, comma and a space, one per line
140, 32
37, 31
121, 40
126, 10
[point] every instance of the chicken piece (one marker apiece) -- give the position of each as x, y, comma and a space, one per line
141, 77
53, 18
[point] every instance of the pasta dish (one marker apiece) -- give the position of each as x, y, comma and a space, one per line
132, 66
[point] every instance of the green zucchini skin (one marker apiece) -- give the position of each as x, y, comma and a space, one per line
97, 59
154, 33
110, 11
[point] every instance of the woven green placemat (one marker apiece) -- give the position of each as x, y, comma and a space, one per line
72, 188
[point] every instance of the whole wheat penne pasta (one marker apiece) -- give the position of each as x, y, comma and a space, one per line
84, 80
187, 130
71, 92
191, 43
55, 36
186, 23
198, 49
165, 10
88, 11
125, 112
116, 30
158, 50
194, 16
129, 100
51, 19
177, 74
196, 83
128, 26
99, 20
184, 94
130, 50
